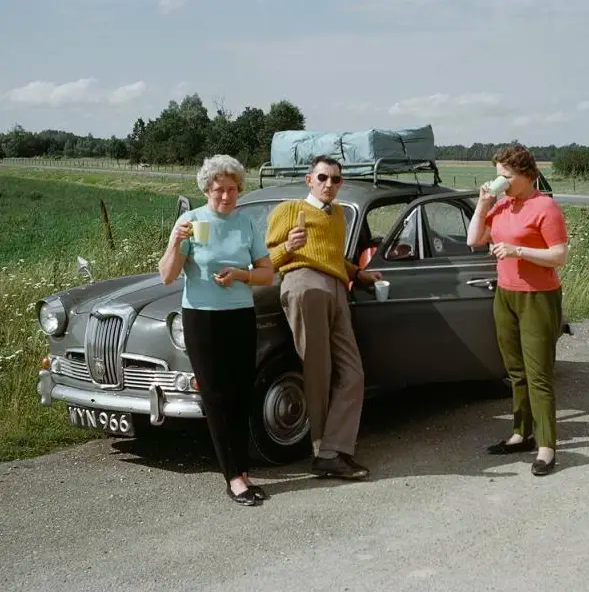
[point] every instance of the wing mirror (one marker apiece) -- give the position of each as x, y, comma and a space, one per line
182, 206
84, 268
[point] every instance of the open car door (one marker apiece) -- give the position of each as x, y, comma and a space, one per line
437, 324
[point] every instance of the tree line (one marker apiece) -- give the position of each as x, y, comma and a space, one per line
184, 134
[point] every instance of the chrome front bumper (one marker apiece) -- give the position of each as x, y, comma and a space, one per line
157, 404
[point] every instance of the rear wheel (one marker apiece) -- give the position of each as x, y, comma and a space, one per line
279, 426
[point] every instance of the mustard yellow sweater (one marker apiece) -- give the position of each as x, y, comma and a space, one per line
326, 240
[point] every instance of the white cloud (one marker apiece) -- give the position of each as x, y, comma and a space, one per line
49, 94
83, 91
537, 119
127, 93
444, 106
167, 6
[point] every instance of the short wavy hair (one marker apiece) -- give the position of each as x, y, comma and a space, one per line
220, 165
519, 159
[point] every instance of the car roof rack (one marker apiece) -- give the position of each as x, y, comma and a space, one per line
350, 170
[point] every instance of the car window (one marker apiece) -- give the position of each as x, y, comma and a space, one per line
446, 226
380, 220
405, 244
261, 210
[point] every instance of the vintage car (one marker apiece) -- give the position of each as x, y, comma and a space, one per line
117, 354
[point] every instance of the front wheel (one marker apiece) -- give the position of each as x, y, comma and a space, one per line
279, 426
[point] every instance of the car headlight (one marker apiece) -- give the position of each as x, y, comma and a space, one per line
177, 331
52, 316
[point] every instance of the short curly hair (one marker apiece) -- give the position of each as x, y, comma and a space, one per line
220, 165
519, 159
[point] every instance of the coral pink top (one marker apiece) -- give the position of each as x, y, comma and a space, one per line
536, 222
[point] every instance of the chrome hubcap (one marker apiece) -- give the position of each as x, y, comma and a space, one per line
285, 410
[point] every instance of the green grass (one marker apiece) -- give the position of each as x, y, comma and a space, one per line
44, 225
47, 218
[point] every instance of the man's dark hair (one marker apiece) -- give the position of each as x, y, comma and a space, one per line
325, 159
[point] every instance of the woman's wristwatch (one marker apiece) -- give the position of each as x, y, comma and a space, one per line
518, 252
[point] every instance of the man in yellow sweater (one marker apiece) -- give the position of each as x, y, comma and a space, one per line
310, 256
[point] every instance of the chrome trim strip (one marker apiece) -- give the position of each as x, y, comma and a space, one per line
420, 267
420, 232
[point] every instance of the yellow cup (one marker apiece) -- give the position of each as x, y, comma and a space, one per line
200, 231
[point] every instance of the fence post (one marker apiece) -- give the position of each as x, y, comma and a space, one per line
475, 181
107, 227
454, 180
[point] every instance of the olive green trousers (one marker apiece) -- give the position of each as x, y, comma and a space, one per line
528, 325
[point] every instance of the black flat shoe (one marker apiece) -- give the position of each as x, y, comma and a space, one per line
541, 468
503, 447
259, 493
245, 498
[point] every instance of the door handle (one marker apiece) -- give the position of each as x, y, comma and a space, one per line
488, 283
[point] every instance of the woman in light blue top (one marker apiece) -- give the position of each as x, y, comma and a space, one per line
218, 312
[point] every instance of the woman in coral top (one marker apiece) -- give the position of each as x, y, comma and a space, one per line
527, 232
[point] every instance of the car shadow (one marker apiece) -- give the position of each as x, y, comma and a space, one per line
440, 430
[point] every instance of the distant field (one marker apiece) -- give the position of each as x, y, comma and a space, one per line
461, 175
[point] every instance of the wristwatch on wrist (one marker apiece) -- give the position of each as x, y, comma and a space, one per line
518, 252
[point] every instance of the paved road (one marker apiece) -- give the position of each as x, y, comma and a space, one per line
437, 515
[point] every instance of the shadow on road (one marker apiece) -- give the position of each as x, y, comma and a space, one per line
442, 430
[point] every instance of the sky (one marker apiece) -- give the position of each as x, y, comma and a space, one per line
476, 70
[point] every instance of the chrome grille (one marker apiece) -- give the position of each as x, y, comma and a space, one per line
103, 337
74, 369
135, 378
143, 379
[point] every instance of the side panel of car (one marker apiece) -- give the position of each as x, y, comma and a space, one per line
437, 324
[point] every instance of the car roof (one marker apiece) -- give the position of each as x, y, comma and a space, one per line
361, 192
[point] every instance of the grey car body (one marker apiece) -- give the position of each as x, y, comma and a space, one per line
114, 361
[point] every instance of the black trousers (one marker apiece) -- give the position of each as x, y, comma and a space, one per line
221, 345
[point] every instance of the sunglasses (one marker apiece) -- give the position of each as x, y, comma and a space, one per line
335, 179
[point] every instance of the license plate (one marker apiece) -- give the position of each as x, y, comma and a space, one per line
112, 422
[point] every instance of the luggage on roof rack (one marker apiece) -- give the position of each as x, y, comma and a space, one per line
369, 153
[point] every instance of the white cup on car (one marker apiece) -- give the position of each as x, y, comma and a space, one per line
381, 288
498, 185
200, 231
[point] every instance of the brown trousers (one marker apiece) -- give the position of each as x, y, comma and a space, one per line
317, 310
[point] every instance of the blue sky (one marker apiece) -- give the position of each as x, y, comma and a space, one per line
477, 70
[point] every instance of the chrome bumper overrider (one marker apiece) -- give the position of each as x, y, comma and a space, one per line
157, 405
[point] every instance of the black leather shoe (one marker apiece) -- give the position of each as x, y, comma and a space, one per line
259, 493
503, 447
541, 468
343, 466
245, 498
